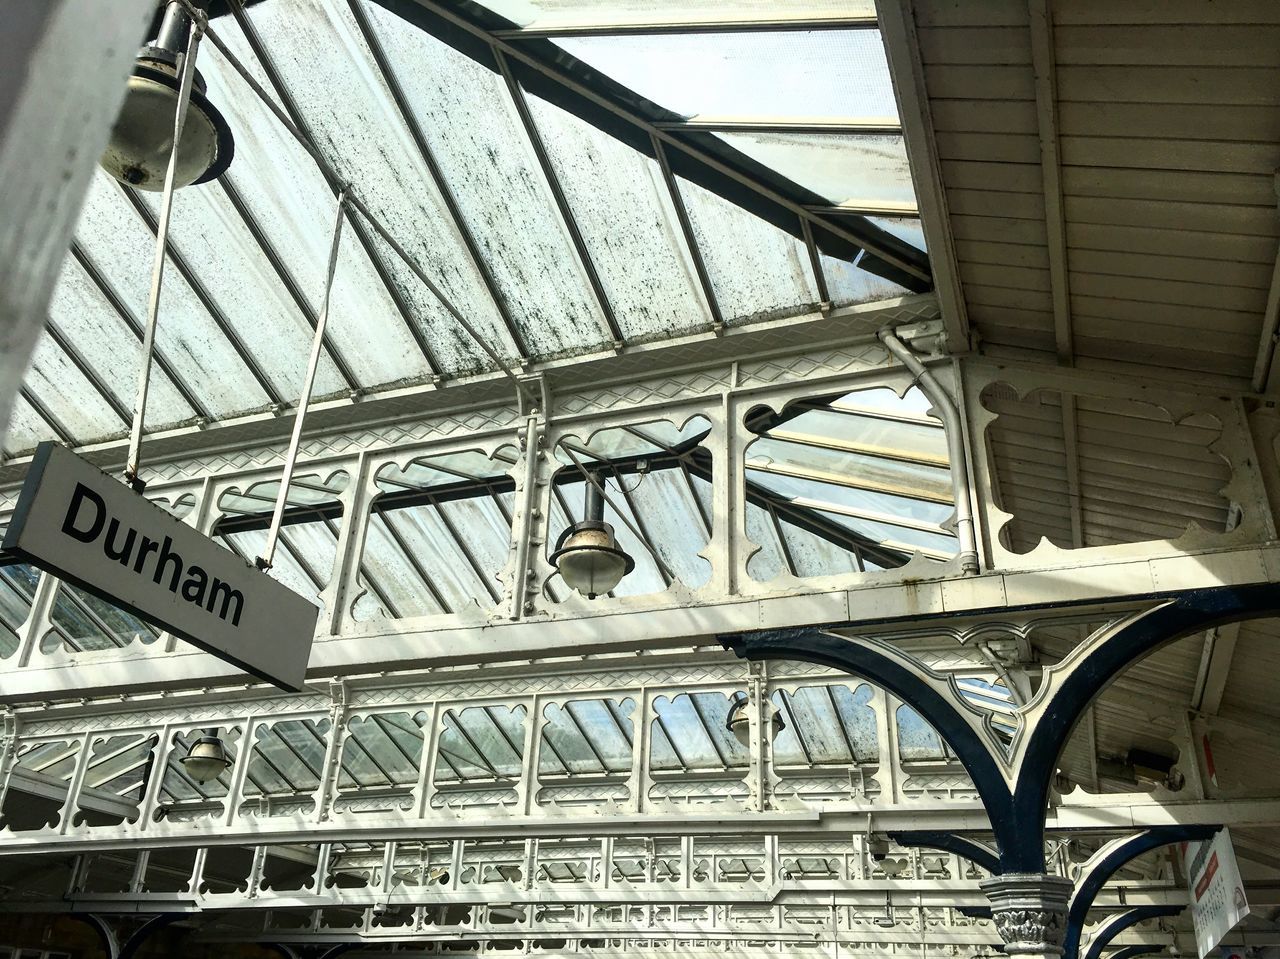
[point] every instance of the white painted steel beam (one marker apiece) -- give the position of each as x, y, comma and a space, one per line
902, 46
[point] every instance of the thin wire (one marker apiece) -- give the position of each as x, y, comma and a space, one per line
359, 205
134, 461
317, 346
590, 478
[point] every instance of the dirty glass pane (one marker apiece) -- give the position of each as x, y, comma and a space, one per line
464, 112
624, 211
116, 239
87, 320
68, 395
361, 132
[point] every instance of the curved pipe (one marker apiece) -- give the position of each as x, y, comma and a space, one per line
946, 408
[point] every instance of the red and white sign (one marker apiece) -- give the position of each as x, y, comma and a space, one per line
1218, 902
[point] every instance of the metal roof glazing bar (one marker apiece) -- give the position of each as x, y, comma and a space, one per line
123, 311
410, 121
686, 231
562, 202
874, 240
815, 261
738, 24
42, 411
284, 276
90, 374
207, 301
290, 107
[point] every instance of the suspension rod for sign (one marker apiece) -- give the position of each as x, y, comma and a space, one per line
198, 23
317, 347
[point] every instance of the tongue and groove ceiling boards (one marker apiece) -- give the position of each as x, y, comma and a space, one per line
577, 180
1109, 174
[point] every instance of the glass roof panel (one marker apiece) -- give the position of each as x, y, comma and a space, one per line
26, 428
904, 228
468, 119
119, 244
846, 284
623, 208
68, 395
758, 272
17, 592
940, 542
873, 501
795, 74
294, 208
545, 14
352, 115
812, 555
208, 231
789, 464
850, 170
871, 434
85, 317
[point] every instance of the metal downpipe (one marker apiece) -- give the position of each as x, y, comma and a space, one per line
946, 407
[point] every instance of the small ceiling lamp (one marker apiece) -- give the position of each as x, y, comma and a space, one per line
587, 553
738, 721
206, 759
142, 138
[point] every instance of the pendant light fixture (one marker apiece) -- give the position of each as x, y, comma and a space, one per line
142, 138
207, 758
738, 721
587, 553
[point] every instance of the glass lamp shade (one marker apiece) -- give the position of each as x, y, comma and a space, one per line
206, 759
137, 152
589, 559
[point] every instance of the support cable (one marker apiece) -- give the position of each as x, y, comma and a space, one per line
199, 23
317, 346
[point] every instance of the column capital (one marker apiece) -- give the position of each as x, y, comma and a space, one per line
1030, 912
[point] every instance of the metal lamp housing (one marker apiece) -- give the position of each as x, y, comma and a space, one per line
138, 150
589, 559
738, 721
206, 759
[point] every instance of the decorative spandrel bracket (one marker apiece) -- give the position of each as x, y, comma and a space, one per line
1014, 783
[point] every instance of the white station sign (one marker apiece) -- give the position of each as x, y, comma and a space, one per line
1218, 902
82, 525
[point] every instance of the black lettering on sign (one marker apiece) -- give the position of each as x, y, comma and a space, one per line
86, 519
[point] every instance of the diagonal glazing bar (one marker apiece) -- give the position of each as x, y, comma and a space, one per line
109, 293
562, 202
283, 275
909, 265
815, 261
206, 300
362, 234
407, 115
59, 430
686, 231
90, 374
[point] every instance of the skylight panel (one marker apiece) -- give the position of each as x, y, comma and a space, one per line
581, 14
781, 74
